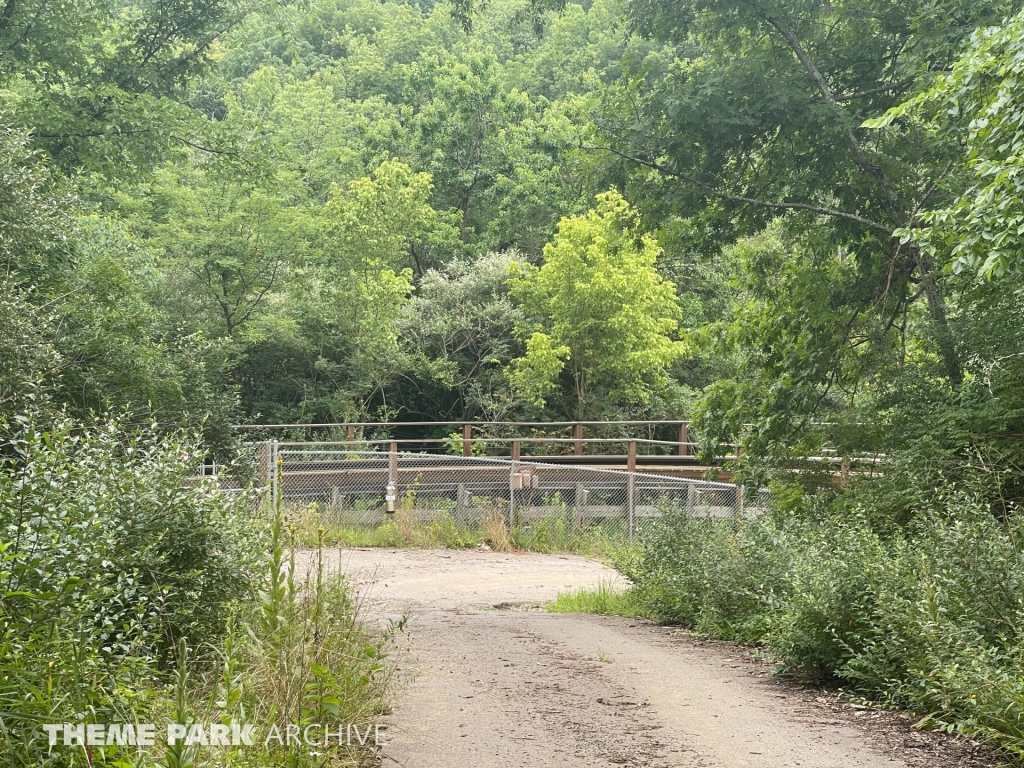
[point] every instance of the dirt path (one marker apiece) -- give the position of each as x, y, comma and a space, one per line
489, 681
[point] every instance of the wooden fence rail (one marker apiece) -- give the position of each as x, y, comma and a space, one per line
485, 433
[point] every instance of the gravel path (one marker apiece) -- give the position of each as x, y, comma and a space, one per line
490, 680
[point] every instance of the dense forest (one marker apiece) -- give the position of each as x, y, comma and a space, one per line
794, 224
798, 224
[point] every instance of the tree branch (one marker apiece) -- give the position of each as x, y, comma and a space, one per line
201, 148
91, 134
929, 193
712, 192
860, 158
900, 86
28, 27
5, 17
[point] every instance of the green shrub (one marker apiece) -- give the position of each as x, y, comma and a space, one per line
836, 569
110, 551
117, 563
717, 576
926, 617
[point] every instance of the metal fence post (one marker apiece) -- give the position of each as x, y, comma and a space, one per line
512, 495
580, 508
391, 492
274, 473
513, 476
631, 503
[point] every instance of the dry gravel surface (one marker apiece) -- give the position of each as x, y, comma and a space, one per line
488, 679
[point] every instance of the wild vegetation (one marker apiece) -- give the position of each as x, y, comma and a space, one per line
797, 224
133, 594
439, 525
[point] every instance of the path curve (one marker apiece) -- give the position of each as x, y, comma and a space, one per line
489, 680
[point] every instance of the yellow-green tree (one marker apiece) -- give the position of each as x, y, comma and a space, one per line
601, 322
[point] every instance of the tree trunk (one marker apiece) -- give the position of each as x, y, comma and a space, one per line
940, 323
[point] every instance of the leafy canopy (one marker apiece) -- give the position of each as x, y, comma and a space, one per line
978, 104
597, 310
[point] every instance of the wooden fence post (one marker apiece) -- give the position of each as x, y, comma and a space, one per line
467, 439
577, 435
684, 438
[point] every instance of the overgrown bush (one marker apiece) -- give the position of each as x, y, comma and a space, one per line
709, 574
296, 654
927, 617
110, 553
117, 563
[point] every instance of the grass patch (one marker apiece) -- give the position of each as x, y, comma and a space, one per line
440, 529
401, 530
606, 599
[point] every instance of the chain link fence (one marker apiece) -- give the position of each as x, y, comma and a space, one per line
361, 489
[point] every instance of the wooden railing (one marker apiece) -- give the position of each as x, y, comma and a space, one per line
676, 456
681, 447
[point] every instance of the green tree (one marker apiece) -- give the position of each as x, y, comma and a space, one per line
975, 105
83, 334
224, 244
581, 50
332, 347
495, 154
597, 310
459, 132
789, 313
459, 334
372, 222
758, 113
35, 215
102, 84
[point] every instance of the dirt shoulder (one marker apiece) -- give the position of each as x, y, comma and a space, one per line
488, 679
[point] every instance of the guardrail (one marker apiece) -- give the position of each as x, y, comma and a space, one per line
359, 489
